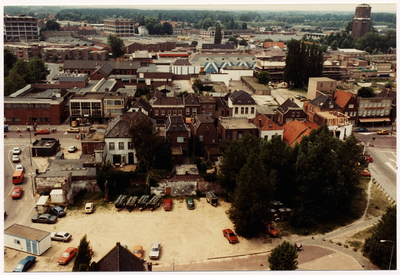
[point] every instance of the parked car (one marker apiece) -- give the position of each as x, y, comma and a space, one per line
190, 203
72, 149
67, 255
138, 251
361, 129
155, 251
19, 167
272, 231
365, 173
16, 151
167, 204
60, 236
15, 158
232, 238
58, 211
44, 218
89, 207
17, 193
304, 99
25, 264
73, 130
74, 123
383, 132
42, 132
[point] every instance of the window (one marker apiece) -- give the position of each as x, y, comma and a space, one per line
364, 113
379, 104
374, 104
207, 128
174, 112
180, 112
386, 111
240, 135
242, 110
162, 112
156, 112
236, 110
17, 242
180, 139
361, 104
252, 110
187, 111
246, 110
351, 106
120, 145
111, 146
130, 145
201, 138
373, 112
194, 111
369, 112
228, 135
169, 112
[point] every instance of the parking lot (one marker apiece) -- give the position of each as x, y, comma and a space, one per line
186, 236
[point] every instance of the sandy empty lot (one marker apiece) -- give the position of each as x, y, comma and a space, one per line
186, 236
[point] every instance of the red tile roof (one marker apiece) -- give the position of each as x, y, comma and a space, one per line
294, 131
342, 97
265, 122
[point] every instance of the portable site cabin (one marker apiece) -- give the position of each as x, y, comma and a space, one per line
27, 239
57, 196
41, 205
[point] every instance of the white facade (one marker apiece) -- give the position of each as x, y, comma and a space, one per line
120, 151
267, 135
143, 30
185, 69
27, 239
236, 74
343, 131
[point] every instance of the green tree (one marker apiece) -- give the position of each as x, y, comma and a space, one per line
152, 24
83, 256
252, 198
38, 69
334, 45
380, 253
194, 43
244, 26
218, 34
116, 44
283, 257
263, 77
303, 60
52, 25
366, 92
22, 68
13, 82
243, 42
9, 60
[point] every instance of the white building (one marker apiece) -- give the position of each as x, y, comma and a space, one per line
27, 239
143, 31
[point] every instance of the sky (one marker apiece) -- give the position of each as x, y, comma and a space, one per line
254, 5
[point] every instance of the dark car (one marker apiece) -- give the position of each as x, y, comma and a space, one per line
362, 129
190, 203
25, 264
58, 211
44, 218
232, 238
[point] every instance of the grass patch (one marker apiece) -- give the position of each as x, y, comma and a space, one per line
378, 202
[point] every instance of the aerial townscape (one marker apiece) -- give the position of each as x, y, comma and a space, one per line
200, 138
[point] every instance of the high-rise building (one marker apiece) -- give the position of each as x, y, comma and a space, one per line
119, 27
362, 21
20, 28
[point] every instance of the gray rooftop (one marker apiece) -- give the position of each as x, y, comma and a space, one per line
26, 232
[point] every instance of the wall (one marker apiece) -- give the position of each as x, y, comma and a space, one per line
41, 247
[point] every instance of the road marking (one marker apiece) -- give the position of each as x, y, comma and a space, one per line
390, 166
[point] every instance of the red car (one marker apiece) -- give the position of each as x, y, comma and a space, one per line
272, 231
365, 173
232, 238
67, 255
42, 132
167, 204
17, 192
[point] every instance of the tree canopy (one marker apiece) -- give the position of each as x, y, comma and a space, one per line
380, 253
366, 92
116, 44
303, 60
218, 34
83, 256
283, 257
263, 77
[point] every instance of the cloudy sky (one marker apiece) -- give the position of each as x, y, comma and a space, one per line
283, 5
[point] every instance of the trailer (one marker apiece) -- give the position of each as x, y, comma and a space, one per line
212, 198
142, 202
131, 203
154, 203
120, 202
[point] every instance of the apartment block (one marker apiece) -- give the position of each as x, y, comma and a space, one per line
20, 28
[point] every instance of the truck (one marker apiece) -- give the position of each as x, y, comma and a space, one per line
131, 203
120, 202
212, 198
142, 202
154, 202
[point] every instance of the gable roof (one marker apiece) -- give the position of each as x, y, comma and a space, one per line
119, 259
181, 62
119, 126
191, 100
241, 97
264, 123
324, 102
170, 101
342, 98
294, 131
202, 119
141, 103
176, 124
287, 105
388, 93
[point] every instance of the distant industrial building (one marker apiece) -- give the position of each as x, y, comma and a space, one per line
119, 27
362, 21
20, 28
